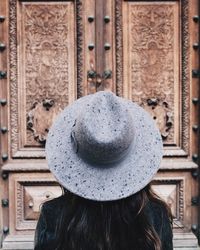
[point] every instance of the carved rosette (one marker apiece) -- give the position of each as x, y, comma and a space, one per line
152, 63
46, 41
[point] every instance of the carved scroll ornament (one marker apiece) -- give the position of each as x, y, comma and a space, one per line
161, 113
40, 118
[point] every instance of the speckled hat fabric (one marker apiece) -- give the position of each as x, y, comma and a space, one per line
103, 147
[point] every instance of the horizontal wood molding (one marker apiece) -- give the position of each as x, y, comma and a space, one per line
27, 166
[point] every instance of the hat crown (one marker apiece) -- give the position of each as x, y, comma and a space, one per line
103, 133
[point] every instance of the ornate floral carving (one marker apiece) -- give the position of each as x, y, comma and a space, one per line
155, 44
13, 75
44, 73
152, 58
46, 41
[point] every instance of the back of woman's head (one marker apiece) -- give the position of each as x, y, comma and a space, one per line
105, 148
115, 225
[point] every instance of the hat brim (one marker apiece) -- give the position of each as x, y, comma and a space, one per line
117, 181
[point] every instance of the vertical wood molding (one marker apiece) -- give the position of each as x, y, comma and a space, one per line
4, 114
181, 201
80, 49
185, 75
119, 48
13, 76
19, 199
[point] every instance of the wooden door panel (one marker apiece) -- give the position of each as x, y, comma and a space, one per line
156, 66
153, 68
176, 189
42, 71
172, 188
27, 193
29, 190
150, 57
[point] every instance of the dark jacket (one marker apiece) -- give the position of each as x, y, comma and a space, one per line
157, 216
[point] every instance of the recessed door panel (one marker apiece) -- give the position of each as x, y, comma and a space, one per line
154, 66
42, 70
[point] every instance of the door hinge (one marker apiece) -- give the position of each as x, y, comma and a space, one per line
195, 201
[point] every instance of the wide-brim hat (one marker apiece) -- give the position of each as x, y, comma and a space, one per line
103, 147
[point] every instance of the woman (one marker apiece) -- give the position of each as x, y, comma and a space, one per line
104, 150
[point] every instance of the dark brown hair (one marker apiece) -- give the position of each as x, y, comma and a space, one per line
113, 225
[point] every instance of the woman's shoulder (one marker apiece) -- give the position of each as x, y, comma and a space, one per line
158, 208
161, 219
159, 215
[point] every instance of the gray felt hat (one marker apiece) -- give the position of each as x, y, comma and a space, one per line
103, 147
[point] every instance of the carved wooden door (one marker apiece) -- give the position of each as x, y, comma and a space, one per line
53, 52
156, 54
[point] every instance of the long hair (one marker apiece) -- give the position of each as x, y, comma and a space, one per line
111, 225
